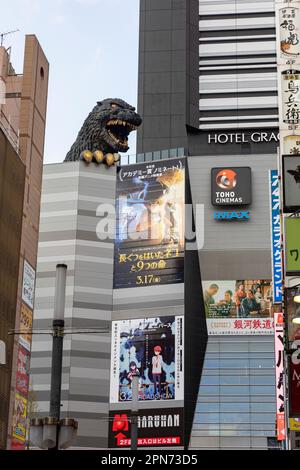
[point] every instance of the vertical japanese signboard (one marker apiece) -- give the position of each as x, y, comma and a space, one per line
292, 240
279, 347
20, 423
294, 345
149, 245
276, 237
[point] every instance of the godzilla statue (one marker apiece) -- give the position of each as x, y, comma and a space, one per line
105, 132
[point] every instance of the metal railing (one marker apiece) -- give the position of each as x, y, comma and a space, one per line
152, 156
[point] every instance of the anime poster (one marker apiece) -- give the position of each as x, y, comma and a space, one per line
19, 418
149, 243
238, 307
151, 348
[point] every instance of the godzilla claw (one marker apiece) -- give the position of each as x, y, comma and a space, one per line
87, 156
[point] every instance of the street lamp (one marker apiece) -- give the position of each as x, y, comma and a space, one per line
296, 318
297, 296
51, 433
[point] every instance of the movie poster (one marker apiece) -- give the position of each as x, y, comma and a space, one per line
149, 243
151, 348
238, 307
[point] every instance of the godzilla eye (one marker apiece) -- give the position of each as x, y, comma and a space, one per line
113, 105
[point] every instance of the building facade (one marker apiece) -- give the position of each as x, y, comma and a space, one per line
22, 118
208, 84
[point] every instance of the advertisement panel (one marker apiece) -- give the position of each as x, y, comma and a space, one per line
291, 307
241, 307
277, 274
19, 418
289, 32
294, 382
152, 348
25, 327
149, 242
291, 144
231, 186
156, 428
22, 374
290, 88
28, 284
279, 372
291, 182
292, 244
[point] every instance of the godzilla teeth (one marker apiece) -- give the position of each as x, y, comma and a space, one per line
118, 122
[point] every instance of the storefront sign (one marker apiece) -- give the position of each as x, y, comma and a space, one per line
156, 428
231, 186
279, 374
276, 237
151, 348
290, 84
289, 27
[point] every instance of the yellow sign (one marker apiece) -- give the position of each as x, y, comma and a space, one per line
19, 418
295, 424
25, 326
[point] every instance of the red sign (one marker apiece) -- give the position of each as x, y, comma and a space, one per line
156, 428
279, 332
294, 374
22, 375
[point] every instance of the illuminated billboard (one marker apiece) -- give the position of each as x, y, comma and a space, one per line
149, 243
152, 348
231, 186
238, 307
156, 428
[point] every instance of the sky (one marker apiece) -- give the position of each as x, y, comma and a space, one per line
92, 48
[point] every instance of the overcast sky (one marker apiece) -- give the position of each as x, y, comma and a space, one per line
92, 48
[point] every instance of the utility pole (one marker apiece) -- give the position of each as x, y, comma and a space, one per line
134, 411
57, 345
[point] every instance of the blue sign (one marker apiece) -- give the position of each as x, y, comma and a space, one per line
242, 215
276, 237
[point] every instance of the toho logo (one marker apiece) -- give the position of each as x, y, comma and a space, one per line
226, 179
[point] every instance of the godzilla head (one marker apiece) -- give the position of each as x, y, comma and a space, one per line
116, 119
105, 131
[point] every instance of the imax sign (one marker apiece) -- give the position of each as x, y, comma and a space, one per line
242, 215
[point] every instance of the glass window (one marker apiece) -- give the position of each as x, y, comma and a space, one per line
164, 154
201, 418
261, 363
148, 156
181, 152
234, 363
234, 390
267, 418
140, 158
234, 380
132, 159
173, 153
210, 380
156, 155
209, 390
234, 418
234, 407
211, 364
263, 407
262, 390
262, 380
207, 407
